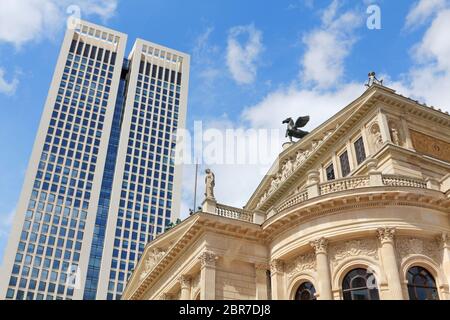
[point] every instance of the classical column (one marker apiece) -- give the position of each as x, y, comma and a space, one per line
185, 284
323, 269
277, 279
445, 243
389, 262
208, 275
261, 281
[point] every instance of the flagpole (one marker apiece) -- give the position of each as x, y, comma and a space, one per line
195, 186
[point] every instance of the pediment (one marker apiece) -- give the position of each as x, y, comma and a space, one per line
294, 163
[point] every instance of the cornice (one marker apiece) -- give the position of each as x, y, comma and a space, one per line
335, 203
203, 223
373, 96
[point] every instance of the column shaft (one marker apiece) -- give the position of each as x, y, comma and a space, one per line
388, 258
323, 269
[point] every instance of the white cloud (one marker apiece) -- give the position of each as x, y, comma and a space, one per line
204, 58
242, 57
7, 87
294, 102
422, 10
6, 220
328, 46
32, 20
428, 79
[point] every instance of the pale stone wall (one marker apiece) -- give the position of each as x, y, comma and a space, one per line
235, 281
389, 214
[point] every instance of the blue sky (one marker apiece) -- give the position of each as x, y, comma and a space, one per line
253, 63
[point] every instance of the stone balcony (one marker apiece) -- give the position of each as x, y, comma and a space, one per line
374, 181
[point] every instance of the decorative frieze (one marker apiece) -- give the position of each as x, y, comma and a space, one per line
289, 166
353, 248
151, 261
430, 145
408, 246
305, 262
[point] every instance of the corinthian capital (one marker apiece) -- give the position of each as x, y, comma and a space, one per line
386, 234
276, 266
320, 245
185, 281
208, 259
166, 296
444, 240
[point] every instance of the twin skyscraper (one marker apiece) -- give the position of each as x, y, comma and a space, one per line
102, 180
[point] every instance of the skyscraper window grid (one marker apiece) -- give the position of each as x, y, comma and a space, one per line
76, 236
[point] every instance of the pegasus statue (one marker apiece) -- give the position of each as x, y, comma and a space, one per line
293, 130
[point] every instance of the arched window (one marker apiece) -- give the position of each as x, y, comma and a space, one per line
421, 285
359, 284
306, 291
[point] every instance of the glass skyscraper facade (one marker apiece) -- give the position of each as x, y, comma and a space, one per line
101, 181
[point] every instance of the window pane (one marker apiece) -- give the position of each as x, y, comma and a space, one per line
360, 151
330, 172
345, 165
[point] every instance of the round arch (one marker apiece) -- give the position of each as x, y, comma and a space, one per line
298, 280
353, 263
430, 265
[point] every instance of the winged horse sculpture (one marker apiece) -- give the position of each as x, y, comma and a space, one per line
293, 130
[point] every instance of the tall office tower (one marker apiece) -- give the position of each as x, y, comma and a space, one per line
102, 180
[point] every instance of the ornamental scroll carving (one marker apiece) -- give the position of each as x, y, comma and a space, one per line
305, 262
208, 259
320, 245
430, 146
408, 246
276, 266
151, 261
353, 248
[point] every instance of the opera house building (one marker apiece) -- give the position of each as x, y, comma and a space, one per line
357, 210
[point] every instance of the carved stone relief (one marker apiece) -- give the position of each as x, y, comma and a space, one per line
352, 248
305, 262
375, 136
290, 165
407, 246
153, 258
396, 133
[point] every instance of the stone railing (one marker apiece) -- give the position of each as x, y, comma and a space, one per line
399, 181
233, 213
292, 201
344, 184
374, 180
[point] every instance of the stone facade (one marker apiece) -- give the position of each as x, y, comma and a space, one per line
309, 224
